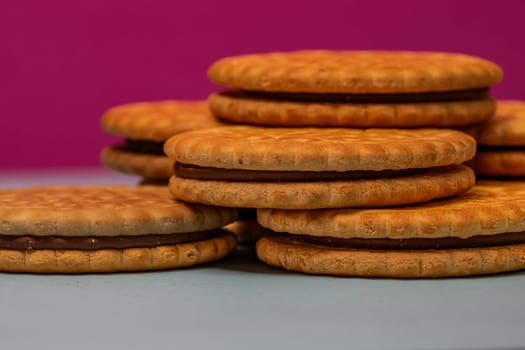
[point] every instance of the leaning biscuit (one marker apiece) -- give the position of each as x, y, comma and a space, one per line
75, 229
478, 232
145, 126
255, 167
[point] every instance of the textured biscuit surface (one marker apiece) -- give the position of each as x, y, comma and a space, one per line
116, 260
150, 166
354, 72
103, 211
318, 149
261, 111
157, 121
500, 163
421, 187
293, 254
507, 128
491, 207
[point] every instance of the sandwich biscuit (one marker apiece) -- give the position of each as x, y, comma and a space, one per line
76, 229
479, 232
355, 89
145, 126
307, 168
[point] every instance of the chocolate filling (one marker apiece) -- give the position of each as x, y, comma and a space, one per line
247, 214
501, 148
195, 172
143, 147
102, 242
458, 95
418, 243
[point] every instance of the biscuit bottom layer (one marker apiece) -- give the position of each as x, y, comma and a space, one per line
102, 242
415, 243
442, 96
189, 171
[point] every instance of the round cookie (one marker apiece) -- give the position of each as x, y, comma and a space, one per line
146, 125
355, 89
360, 72
501, 142
479, 232
76, 229
255, 167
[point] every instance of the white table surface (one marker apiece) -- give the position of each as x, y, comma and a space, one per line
239, 303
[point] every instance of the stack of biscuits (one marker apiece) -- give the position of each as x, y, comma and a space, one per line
92, 229
145, 127
353, 163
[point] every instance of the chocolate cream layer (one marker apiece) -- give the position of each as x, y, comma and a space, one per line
102, 242
189, 171
143, 147
416, 243
442, 96
502, 148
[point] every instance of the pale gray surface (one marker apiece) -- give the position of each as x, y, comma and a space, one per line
241, 304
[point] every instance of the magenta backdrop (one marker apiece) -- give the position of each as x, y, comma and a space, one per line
62, 63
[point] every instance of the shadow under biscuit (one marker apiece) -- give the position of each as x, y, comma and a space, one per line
244, 259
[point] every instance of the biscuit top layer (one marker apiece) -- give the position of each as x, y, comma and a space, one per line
320, 149
103, 211
157, 121
507, 128
491, 207
355, 72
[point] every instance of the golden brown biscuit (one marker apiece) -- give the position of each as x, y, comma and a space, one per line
293, 254
491, 207
501, 142
117, 260
239, 108
256, 167
146, 125
157, 121
417, 188
507, 128
479, 232
150, 166
76, 229
355, 72
502, 163
318, 149
355, 89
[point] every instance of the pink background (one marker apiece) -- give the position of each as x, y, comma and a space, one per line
62, 62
